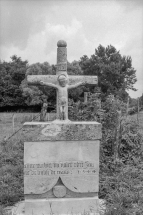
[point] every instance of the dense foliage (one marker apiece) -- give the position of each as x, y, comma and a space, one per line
11, 76
115, 72
121, 154
11, 172
121, 158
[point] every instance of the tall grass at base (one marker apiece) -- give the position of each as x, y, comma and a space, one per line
121, 179
121, 185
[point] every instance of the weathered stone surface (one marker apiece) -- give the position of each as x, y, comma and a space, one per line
35, 79
75, 162
62, 142
61, 55
61, 130
69, 194
83, 79
64, 206
61, 158
61, 58
59, 191
61, 81
61, 43
19, 208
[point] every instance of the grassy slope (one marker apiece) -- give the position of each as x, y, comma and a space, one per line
6, 128
6, 122
140, 118
20, 118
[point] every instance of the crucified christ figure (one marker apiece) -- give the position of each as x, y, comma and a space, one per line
62, 93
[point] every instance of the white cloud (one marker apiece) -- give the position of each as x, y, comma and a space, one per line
31, 31
41, 46
66, 31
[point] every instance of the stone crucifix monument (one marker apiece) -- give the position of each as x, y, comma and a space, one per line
61, 158
61, 81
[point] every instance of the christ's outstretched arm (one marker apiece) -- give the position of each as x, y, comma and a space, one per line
47, 84
76, 85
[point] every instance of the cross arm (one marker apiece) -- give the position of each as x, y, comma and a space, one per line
45, 80
75, 81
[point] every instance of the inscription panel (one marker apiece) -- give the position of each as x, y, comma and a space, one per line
75, 162
61, 168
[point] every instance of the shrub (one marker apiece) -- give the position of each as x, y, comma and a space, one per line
11, 172
121, 159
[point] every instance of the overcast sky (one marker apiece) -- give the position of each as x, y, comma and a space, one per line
31, 29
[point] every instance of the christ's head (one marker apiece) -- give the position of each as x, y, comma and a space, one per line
63, 80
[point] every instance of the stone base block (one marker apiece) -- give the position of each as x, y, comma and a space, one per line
59, 130
65, 206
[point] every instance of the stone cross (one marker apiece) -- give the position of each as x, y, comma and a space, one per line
61, 81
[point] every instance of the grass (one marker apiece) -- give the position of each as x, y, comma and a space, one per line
129, 178
6, 126
6, 122
134, 116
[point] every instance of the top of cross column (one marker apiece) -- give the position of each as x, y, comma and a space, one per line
61, 58
61, 43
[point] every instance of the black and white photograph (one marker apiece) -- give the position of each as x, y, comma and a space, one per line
71, 107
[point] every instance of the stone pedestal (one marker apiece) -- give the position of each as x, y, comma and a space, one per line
64, 206
61, 167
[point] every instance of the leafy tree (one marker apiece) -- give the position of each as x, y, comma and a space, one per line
11, 75
75, 69
115, 72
